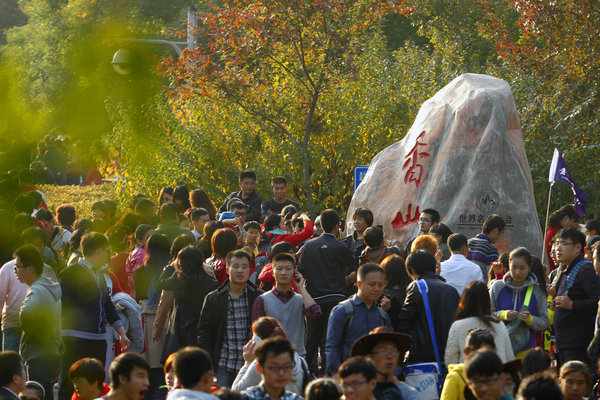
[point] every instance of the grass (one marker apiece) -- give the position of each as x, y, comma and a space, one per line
80, 197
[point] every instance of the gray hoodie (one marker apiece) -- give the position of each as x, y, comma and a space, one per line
39, 319
505, 292
129, 311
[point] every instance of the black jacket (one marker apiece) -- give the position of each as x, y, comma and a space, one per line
211, 326
356, 246
253, 202
574, 329
324, 262
85, 304
443, 301
189, 293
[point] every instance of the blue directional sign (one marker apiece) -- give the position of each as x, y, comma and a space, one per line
359, 174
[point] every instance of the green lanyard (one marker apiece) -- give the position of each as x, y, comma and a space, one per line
527, 297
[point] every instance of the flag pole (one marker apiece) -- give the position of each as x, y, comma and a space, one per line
546, 224
551, 178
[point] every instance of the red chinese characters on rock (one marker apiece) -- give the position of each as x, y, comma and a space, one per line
400, 221
414, 173
415, 169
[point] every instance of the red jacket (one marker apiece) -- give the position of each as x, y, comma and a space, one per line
266, 276
296, 238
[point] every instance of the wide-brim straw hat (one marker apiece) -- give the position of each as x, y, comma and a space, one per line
364, 345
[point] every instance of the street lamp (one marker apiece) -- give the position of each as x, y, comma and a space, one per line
122, 60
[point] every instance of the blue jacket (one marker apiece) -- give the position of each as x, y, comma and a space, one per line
364, 321
86, 303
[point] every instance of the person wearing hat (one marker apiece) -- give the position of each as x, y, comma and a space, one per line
386, 349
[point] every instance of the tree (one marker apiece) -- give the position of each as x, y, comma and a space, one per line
59, 61
551, 57
277, 60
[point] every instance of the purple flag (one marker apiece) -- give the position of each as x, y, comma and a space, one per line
560, 172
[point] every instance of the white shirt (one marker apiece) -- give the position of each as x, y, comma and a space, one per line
458, 272
188, 394
12, 294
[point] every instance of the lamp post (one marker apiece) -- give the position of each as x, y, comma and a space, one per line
191, 27
122, 59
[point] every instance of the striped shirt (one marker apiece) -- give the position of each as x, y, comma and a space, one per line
481, 249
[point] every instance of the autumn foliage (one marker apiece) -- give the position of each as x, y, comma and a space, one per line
277, 61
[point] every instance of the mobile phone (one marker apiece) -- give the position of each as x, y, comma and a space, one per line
256, 340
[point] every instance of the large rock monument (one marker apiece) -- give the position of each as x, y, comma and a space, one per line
463, 156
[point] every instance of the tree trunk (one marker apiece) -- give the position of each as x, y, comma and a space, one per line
307, 181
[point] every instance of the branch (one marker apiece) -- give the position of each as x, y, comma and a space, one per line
292, 73
298, 50
311, 111
301, 56
267, 118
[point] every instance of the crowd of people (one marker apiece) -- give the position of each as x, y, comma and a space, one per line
58, 160
178, 299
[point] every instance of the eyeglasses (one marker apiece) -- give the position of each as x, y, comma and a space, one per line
386, 353
564, 243
353, 385
280, 368
483, 382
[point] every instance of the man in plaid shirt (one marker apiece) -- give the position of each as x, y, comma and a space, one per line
225, 321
